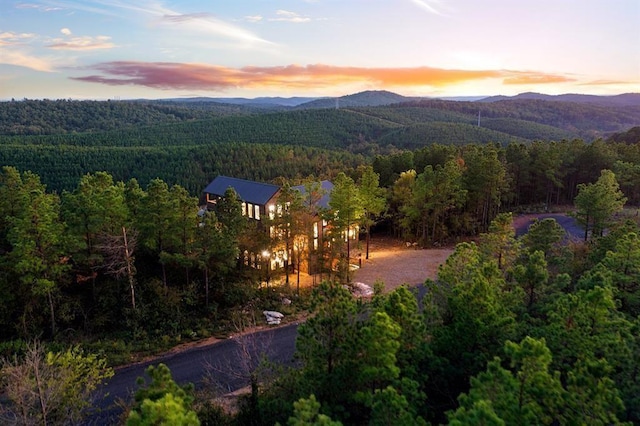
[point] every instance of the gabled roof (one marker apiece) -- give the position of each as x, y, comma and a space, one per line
249, 191
326, 187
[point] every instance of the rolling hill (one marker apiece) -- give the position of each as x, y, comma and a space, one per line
625, 99
189, 141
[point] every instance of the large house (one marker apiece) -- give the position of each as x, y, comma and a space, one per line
260, 203
257, 198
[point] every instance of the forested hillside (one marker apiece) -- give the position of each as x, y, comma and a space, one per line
586, 120
45, 117
190, 142
191, 166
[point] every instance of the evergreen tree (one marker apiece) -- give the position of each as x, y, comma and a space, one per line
162, 400
372, 198
346, 212
39, 252
597, 202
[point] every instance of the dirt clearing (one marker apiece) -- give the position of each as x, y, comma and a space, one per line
395, 264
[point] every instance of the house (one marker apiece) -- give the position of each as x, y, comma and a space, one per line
257, 198
260, 203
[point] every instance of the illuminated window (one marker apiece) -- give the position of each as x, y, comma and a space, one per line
244, 208
250, 210
256, 213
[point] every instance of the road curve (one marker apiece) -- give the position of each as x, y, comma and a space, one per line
222, 358
570, 225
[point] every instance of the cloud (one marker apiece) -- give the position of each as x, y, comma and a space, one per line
608, 83
22, 59
37, 7
155, 13
531, 77
17, 48
185, 76
253, 18
428, 5
14, 50
207, 24
10, 38
80, 43
287, 16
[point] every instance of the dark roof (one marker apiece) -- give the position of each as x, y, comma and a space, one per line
326, 186
249, 191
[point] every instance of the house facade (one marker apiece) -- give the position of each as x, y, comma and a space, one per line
260, 203
309, 250
257, 198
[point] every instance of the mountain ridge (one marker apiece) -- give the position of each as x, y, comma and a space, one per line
623, 99
385, 97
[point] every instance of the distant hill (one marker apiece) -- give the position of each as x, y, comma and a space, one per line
631, 136
626, 99
384, 97
189, 140
584, 120
362, 99
46, 117
525, 117
258, 102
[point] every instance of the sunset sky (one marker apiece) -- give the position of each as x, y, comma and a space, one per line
110, 49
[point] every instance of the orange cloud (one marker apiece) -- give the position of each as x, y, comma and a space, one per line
168, 75
532, 77
608, 82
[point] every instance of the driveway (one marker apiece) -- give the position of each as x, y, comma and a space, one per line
570, 225
395, 264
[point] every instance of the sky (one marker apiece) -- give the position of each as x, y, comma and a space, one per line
129, 49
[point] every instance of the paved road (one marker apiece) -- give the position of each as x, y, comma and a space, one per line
224, 359
567, 222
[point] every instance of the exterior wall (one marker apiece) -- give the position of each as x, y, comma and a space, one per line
317, 241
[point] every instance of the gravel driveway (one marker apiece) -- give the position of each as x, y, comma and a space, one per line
395, 264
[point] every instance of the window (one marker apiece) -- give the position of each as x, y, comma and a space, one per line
250, 210
244, 208
316, 233
272, 210
256, 213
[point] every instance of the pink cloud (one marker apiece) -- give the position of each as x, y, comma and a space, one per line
169, 75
